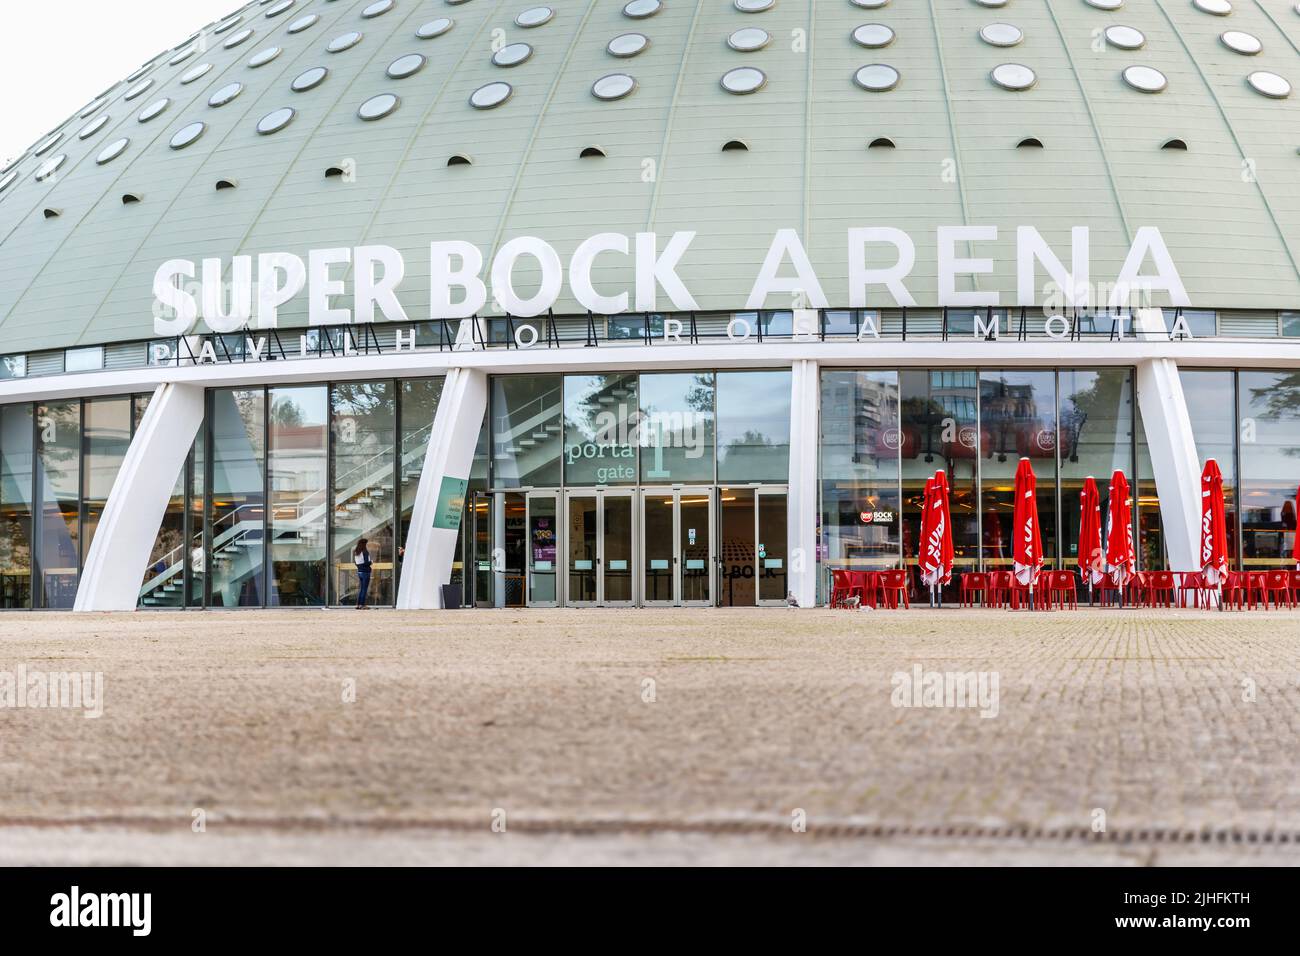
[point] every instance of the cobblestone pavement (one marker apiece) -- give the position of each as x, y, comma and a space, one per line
663, 736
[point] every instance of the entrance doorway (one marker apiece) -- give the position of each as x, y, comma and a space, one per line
601, 531
677, 553
752, 560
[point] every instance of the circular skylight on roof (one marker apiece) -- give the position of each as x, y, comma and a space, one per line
435, 28
992, 3
1145, 79
51, 166
112, 151
137, 90
876, 77
627, 44
1220, 8
225, 94
235, 39
377, 8
344, 41
377, 107
303, 23
93, 127
186, 135
153, 109
1001, 34
309, 79
275, 120
749, 39
754, 6
1243, 43
263, 57
227, 23
534, 17
1126, 38
196, 72
870, 4
512, 54
92, 106
1105, 4
1270, 84
407, 65
279, 8
615, 86
743, 79
140, 72
640, 9
491, 95
182, 55
1013, 76
873, 35
45, 145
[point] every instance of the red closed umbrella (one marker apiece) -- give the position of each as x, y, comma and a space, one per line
1121, 561
1295, 548
1027, 555
1214, 528
1092, 561
936, 555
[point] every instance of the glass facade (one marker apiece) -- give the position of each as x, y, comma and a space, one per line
754, 426
884, 433
1269, 431
1211, 405
677, 427
600, 430
16, 472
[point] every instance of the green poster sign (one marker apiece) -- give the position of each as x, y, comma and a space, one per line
451, 501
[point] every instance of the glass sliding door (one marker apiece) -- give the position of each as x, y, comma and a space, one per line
771, 559
16, 474
1270, 452
659, 545
363, 419
237, 498
297, 463
58, 483
738, 565
582, 538
618, 541
542, 542
695, 546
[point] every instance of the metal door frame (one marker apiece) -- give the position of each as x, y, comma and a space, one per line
559, 514
602, 563
710, 562
645, 495
569, 495
771, 491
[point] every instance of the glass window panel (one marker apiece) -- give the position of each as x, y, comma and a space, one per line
236, 533
197, 557
1270, 467
419, 398
1017, 420
163, 583
754, 426
1202, 322
16, 506
600, 415
939, 430
1096, 438
677, 427
1151, 540
860, 440
299, 418
527, 430
1211, 403
58, 480
364, 422
1291, 324
107, 430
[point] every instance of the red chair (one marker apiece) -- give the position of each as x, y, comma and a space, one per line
1160, 589
999, 583
1061, 587
893, 585
1277, 585
866, 583
1191, 584
842, 587
973, 583
1129, 594
1021, 593
1238, 590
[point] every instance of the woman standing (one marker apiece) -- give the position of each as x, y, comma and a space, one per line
361, 558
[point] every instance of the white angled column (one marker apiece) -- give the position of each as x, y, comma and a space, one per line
431, 543
805, 395
119, 553
1173, 459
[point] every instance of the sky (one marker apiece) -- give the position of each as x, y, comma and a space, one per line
55, 57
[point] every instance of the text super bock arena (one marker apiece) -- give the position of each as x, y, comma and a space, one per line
657, 303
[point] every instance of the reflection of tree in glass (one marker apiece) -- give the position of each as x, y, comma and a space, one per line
1282, 400
59, 425
582, 414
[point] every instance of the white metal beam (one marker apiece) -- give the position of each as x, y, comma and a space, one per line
801, 517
